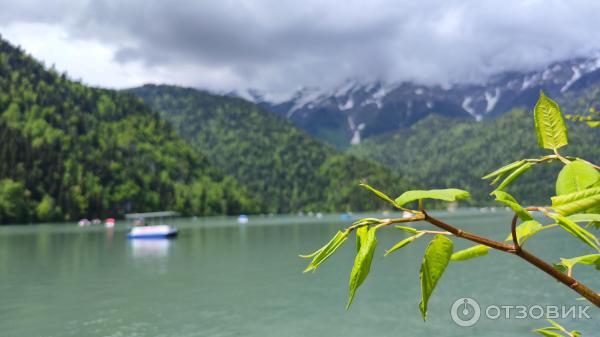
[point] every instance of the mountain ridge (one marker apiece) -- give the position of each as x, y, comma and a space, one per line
285, 166
357, 110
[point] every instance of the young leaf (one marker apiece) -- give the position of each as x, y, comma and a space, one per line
361, 236
547, 332
379, 194
576, 176
511, 202
470, 253
411, 230
549, 124
403, 243
514, 175
578, 232
324, 252
592, 259
362, 262
435, 261
504, 169
577, 202
526, 230
449, 194
584, 217
550, 331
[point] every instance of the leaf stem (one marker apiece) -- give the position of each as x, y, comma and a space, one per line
513, 231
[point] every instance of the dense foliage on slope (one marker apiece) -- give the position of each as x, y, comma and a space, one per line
70, 151
282, 165
442, 152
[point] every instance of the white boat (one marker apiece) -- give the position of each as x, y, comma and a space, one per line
84, 223
152, 232
141, 230
242, 219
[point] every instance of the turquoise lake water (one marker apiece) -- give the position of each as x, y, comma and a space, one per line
219, 278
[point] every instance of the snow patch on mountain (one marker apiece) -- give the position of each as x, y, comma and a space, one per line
575, 77
305, 97
346, 106
466, 104
491, 100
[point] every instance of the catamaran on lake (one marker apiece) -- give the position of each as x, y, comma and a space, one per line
157, 230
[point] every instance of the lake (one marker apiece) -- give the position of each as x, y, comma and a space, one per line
219, 278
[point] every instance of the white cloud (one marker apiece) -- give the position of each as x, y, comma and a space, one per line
278, 46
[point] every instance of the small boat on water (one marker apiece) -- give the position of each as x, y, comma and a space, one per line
152, 232
242, 219
141, 230
109, 223
84, 223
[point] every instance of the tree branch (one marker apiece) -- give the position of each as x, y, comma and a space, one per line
565, 279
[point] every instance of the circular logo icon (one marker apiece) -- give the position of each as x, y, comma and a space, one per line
465, 312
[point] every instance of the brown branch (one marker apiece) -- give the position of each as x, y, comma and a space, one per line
567, 280
513, 231
469, 236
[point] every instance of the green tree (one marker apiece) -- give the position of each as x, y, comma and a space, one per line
14, 201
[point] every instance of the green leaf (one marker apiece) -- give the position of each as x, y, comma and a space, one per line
470, 253
408, 229
547, 332
379, 194
577, 202
325, 252
578, 232
592, 259
514, 175
448, 194
504, 169
584, 217
549, 124
361, 234
362, 262
576, 176
511, 202
403, 243
436, 259
526, 230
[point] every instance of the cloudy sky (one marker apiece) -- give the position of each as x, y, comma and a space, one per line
278, 46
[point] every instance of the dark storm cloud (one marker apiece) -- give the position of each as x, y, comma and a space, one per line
280, 45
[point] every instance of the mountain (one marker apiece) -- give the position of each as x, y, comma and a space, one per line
444, 152
69, 151
280, 164
355, 111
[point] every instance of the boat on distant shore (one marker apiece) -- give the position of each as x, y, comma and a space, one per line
242, 219
141, 230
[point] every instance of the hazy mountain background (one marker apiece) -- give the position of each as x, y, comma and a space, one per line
357, 110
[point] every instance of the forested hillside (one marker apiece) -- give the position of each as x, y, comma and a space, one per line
279, 163
443, 152
69, 151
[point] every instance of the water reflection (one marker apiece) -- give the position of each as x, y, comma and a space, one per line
145, 248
